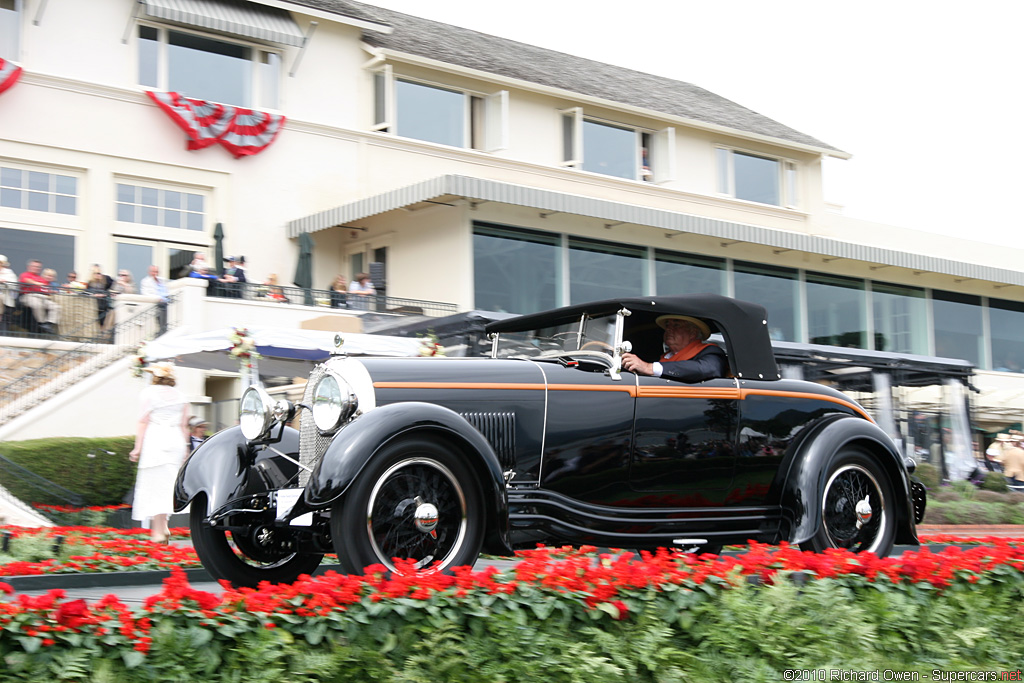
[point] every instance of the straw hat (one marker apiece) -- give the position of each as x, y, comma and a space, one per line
4, 261
196, 421
705, 331
163, 369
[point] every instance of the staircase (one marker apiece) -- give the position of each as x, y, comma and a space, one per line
31, 376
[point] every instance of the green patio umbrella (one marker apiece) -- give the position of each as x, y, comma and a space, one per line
304, 268
218, 248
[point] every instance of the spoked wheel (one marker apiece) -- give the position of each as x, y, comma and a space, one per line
246, 557
856, 507
416, 500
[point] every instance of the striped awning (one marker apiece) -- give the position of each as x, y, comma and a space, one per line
237, 17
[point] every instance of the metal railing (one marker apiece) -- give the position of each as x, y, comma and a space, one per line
24, 481
110, 344
82, 315
324, 298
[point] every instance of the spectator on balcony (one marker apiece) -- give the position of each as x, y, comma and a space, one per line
72, 282
198, 262
154, 285
36, 294
274, 290
124, 284
203, 273
232, 282
338, 290
99, 286
50, 275
363, 289
8, 290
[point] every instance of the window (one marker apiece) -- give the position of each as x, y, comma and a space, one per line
208, 69
775, 288
836, 310
517, 271
434, 113
616, 150
160, 207
38, 191
55, 251
756, 178
901, 318
677, 273
10, 28
1006, 321
604, 270
957, 325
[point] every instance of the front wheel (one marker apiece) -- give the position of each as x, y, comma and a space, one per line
418, 500
246, 557
857, 507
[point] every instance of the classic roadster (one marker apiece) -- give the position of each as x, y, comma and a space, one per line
547, 440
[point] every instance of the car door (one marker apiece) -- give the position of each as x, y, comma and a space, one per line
684, 440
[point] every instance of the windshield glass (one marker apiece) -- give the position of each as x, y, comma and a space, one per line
598, 336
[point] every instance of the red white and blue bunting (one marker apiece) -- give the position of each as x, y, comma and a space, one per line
9, 74
243, 132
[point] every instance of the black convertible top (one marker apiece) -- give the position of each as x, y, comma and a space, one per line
743, 326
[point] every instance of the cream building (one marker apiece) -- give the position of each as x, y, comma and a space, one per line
479, 171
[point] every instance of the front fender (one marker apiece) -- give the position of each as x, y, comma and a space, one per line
358, 441
804, 480
221, 468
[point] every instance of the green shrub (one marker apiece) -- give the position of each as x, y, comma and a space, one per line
965, 488
102, 480
930, 475
972, 512
994, 481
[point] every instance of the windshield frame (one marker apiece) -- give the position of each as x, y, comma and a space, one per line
607, 341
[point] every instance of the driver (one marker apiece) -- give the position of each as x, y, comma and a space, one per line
688, 359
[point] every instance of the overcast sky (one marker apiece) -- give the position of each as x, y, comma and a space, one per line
926, 95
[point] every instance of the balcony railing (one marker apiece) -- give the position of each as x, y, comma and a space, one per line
82, 315
328, 299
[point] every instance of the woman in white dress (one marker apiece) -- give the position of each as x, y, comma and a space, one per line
161, 442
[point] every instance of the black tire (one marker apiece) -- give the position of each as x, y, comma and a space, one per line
376, 520
854, 477
240, 559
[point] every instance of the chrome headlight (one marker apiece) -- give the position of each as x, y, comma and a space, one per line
256, 413
333, 403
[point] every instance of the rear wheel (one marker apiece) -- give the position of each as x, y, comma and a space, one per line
857, 506
417, 499
247, 557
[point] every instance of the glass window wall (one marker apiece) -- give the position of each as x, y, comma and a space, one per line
209, 69
900, 314
775, 288
515, 271
604, 270
958, 326
677, 273
836, 310
1006, 323
55, 251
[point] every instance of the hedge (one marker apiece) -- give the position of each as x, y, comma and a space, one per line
102, 480
660, 618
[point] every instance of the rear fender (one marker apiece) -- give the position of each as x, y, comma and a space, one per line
802, 483
222, 468
359, 440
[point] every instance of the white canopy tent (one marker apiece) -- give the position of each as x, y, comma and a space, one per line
285, 352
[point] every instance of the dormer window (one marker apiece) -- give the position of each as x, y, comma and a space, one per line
207, 68
10, 28
615, 149
756, 177
440, 114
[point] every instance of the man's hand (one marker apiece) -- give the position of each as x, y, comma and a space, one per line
633, 364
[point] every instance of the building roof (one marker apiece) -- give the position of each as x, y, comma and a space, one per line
480, 51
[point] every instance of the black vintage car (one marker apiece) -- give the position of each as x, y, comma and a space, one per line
547, 440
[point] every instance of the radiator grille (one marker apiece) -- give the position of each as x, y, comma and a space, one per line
312, 445
499, 430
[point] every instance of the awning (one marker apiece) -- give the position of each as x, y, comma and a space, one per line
450, 187
236, 17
